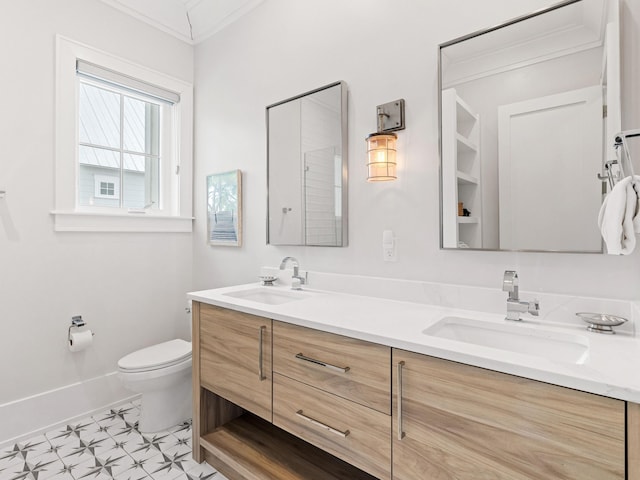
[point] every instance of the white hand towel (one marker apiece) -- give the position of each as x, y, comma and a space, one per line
618, 218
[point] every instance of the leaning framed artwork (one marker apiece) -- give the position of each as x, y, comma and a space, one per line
224, 208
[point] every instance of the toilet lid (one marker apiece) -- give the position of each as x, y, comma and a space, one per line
157, 356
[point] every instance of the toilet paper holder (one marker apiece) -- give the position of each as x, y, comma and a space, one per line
76, 322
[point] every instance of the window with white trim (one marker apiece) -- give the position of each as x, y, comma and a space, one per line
124, 144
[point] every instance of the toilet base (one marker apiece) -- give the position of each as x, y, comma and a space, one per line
165, 408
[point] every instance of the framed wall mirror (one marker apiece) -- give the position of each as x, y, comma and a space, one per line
307, 168
528, 114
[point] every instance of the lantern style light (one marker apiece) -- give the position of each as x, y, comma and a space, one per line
381, 145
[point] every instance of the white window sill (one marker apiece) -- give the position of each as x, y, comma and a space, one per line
119, 222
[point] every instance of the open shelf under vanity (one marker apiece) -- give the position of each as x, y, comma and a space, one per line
250, 448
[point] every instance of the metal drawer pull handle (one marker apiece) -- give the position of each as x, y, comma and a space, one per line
300, 356
400, 432
322, 425
260, 352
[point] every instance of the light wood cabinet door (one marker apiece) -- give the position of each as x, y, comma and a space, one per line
350, 368
235, 358
454, 421
351, 432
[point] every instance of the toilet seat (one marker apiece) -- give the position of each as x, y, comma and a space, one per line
163, 355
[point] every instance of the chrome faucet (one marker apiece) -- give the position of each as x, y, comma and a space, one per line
297, 280
514, 306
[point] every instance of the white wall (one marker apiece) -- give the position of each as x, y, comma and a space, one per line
384, 50
128, 287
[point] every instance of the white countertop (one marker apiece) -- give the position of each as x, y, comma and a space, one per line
612, 367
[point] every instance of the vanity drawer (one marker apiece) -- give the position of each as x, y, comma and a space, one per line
352, 432
354, 369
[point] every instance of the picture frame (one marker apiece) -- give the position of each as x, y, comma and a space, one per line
224, 209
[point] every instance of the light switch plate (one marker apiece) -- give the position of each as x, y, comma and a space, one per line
388, 246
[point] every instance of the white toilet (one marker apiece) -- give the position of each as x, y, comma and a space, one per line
162, 374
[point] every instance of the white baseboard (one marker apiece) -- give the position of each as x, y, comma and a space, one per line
27, 417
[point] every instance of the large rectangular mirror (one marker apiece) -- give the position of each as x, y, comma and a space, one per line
307, 168
529, 111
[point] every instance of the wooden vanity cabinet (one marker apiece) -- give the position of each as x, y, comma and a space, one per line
455, 421
235, 358
263, 413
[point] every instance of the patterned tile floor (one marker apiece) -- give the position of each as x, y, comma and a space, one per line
106, 446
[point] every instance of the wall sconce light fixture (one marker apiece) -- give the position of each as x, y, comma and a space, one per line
381, 146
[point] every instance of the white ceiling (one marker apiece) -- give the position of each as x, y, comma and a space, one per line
189, 20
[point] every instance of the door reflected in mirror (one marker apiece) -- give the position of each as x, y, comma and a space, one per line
529, 112
307, 168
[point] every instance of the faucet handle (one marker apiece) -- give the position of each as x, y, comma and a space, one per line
510, 280
534, 307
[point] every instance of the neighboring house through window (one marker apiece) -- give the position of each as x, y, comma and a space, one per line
105, 187
125, 134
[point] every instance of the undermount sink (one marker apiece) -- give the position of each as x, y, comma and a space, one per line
556, 346
267, 295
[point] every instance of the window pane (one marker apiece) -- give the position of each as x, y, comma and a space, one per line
141, 126
141, 178
98, 157
99, 116
98, 165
